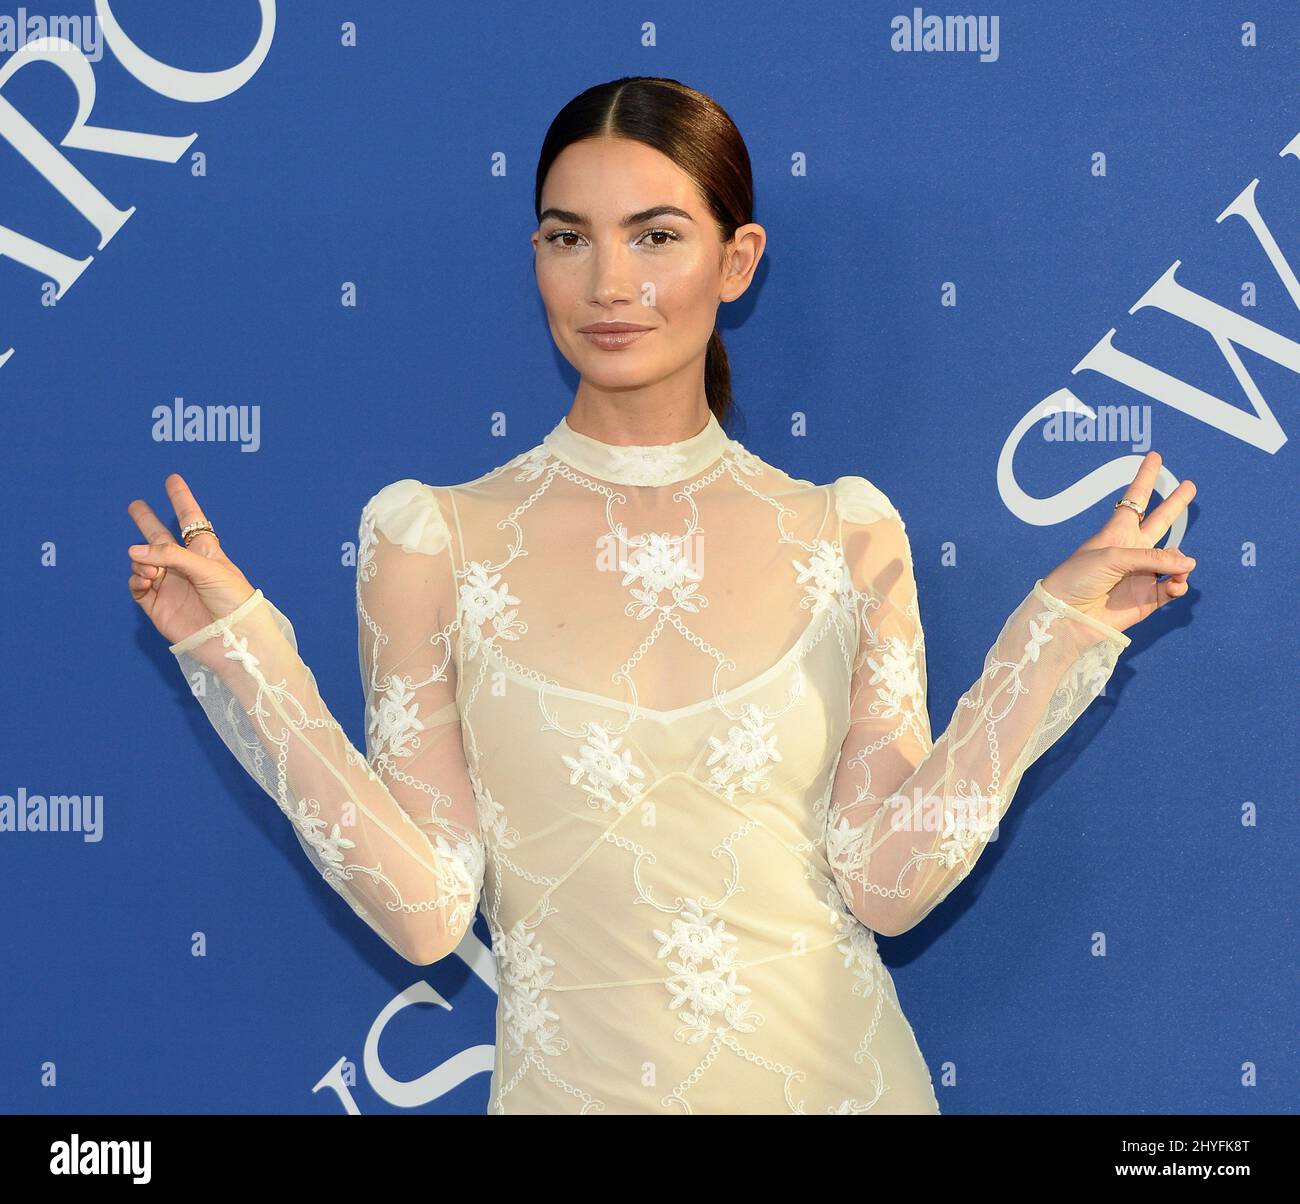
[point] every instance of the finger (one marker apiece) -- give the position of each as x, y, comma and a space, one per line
151, 572
151, 526
1169, 589
140, 586
188, 511
1151, 560
1139, 490
1162, 517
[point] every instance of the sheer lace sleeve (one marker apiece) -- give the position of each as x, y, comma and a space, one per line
909, 817
394, 832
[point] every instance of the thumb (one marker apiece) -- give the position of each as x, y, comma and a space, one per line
1151, 560
170, 555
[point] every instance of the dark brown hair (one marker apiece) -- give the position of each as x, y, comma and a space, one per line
692, 130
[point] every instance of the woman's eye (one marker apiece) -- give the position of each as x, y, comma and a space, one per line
563, 234
670, 235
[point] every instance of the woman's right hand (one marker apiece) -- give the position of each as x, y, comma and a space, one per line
182, 589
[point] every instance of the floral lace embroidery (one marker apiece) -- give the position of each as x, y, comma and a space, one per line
482, 602
603, 768
704, 977
647, 465
530, 1022
657, 562
743, 759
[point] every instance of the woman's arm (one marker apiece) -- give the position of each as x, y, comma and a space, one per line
395, 832
908, 817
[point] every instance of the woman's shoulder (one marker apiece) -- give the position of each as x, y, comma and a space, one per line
855, 498
858, 500
418, 515
410, 513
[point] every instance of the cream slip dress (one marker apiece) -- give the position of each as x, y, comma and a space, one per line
659, 712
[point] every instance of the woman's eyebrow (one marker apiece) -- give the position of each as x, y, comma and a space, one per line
632, 219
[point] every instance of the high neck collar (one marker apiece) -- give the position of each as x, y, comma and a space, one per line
638, 464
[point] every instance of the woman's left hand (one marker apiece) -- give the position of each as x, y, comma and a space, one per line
1115, 575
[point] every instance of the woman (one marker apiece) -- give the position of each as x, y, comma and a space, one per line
653, 704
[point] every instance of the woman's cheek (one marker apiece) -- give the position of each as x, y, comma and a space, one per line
677, 295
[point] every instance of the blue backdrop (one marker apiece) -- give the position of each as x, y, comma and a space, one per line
955, 237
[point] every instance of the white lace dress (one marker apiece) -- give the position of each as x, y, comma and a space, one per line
660, 713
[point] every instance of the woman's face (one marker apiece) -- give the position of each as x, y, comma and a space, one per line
625, 238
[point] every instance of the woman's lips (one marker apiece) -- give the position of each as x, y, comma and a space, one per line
613, 340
